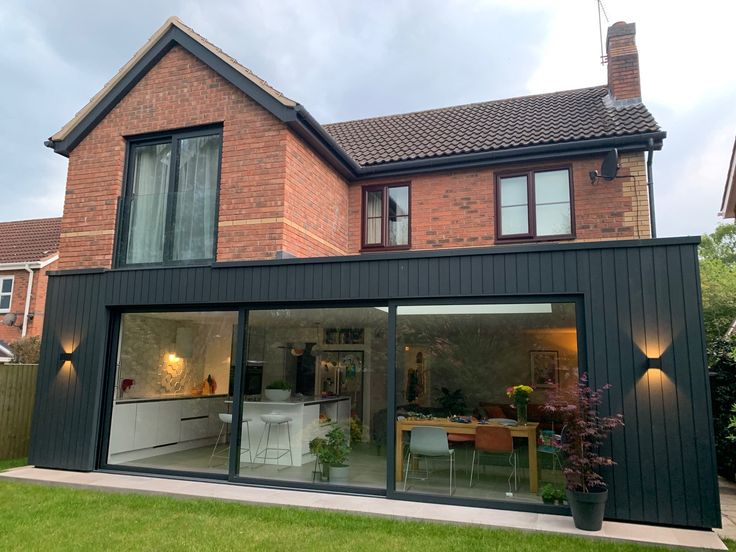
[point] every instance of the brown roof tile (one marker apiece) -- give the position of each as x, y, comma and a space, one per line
497, 125
24, 241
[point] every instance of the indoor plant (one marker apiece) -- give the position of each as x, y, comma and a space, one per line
548, 494
583, 434
278, 390
333, 453
520, 395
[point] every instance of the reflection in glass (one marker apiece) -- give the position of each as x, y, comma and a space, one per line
398, 215
552, 194
323, 380
171, 386
514, 206
455, 364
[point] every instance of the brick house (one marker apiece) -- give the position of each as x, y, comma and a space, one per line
217, 242
29, 249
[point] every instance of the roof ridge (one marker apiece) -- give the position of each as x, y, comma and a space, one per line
29, 220
463, 106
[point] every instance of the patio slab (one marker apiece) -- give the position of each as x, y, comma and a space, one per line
369, 505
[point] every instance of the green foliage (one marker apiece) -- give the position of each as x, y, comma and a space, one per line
279, 384
718, 280
356, 430
722, 364
334, 450
548, 492
732, 424
26, 350
452, 403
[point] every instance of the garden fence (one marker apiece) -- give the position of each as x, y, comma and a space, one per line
17, 393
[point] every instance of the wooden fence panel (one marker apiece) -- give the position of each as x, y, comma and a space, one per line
17, 393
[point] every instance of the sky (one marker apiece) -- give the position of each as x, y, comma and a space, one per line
347, 60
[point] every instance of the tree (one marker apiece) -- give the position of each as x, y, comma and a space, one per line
26, 350
718, 280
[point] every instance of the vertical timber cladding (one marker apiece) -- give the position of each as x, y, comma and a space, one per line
641, 298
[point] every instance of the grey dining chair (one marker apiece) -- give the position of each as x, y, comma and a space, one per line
430, 442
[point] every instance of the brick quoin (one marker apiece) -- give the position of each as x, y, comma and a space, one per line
278, 197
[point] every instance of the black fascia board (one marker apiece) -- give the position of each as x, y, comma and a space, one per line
174, 36
636, 142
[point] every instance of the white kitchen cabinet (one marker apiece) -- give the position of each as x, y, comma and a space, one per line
168, 422
145, 425
196, 428
122, 430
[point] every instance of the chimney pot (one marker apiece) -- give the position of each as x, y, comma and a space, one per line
623, 62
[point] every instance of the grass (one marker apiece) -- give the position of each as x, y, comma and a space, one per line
13, 463
60, 518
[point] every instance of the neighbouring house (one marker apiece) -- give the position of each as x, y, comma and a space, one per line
6, 355
728, 203
29, 249
224, 256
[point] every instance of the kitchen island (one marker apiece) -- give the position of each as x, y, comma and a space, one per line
305, 425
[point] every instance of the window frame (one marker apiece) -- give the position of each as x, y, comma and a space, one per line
174, 138
531, 235
384, 189
2, 294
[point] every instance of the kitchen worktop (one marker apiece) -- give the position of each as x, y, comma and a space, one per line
296, 401
168, 397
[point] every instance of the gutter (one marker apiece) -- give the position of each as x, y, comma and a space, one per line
28, 300
650, 186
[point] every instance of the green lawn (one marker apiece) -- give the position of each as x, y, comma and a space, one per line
58, 518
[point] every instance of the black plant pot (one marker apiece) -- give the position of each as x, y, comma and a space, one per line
588, 508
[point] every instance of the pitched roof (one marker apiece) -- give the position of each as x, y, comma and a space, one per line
572, 115
24, 241
171, 22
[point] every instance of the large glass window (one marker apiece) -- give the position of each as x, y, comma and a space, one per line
171, 385
386, 217
315, 396
459, 433
534, 205
169, 209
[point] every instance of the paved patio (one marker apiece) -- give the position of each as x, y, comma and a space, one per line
728, 509
369, 505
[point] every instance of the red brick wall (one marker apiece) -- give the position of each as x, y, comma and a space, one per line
316, 204
18, 302
623, 61
179, 92
457, 208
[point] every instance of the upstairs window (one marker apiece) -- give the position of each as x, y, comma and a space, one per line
386, 218
534, 205
6, 293
169, 210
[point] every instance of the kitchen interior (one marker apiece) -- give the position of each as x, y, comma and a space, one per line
175, 376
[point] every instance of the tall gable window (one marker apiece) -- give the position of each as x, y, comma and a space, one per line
534, 205
169, 210
6, 293
386, 218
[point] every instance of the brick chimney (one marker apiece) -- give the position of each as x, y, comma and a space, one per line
623, 63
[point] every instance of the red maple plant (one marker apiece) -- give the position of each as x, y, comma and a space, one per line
583, 433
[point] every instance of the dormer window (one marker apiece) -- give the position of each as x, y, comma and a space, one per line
169, 210
534, 205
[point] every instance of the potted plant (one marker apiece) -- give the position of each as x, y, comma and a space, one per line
333, 452
560, 496
520, 395
278, 390
583, 434
548, 494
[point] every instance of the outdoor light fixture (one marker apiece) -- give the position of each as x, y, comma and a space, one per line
65, 357
654, 363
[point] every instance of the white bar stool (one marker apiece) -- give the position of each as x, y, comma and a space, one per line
224, 451
280, 421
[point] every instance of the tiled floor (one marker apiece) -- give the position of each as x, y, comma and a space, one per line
367, 505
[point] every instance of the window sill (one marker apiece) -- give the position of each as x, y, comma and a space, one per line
378, 249
181, 264
502, 241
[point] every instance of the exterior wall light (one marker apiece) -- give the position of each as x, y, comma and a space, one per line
654, 363
65, 357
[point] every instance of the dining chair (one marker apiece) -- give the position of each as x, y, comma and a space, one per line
430, 442
495, 440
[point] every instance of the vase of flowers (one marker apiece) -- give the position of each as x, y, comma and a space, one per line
520, 395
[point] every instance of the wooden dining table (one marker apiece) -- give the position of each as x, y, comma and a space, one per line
527, 431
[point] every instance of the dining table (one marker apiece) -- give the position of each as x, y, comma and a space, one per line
527, 431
